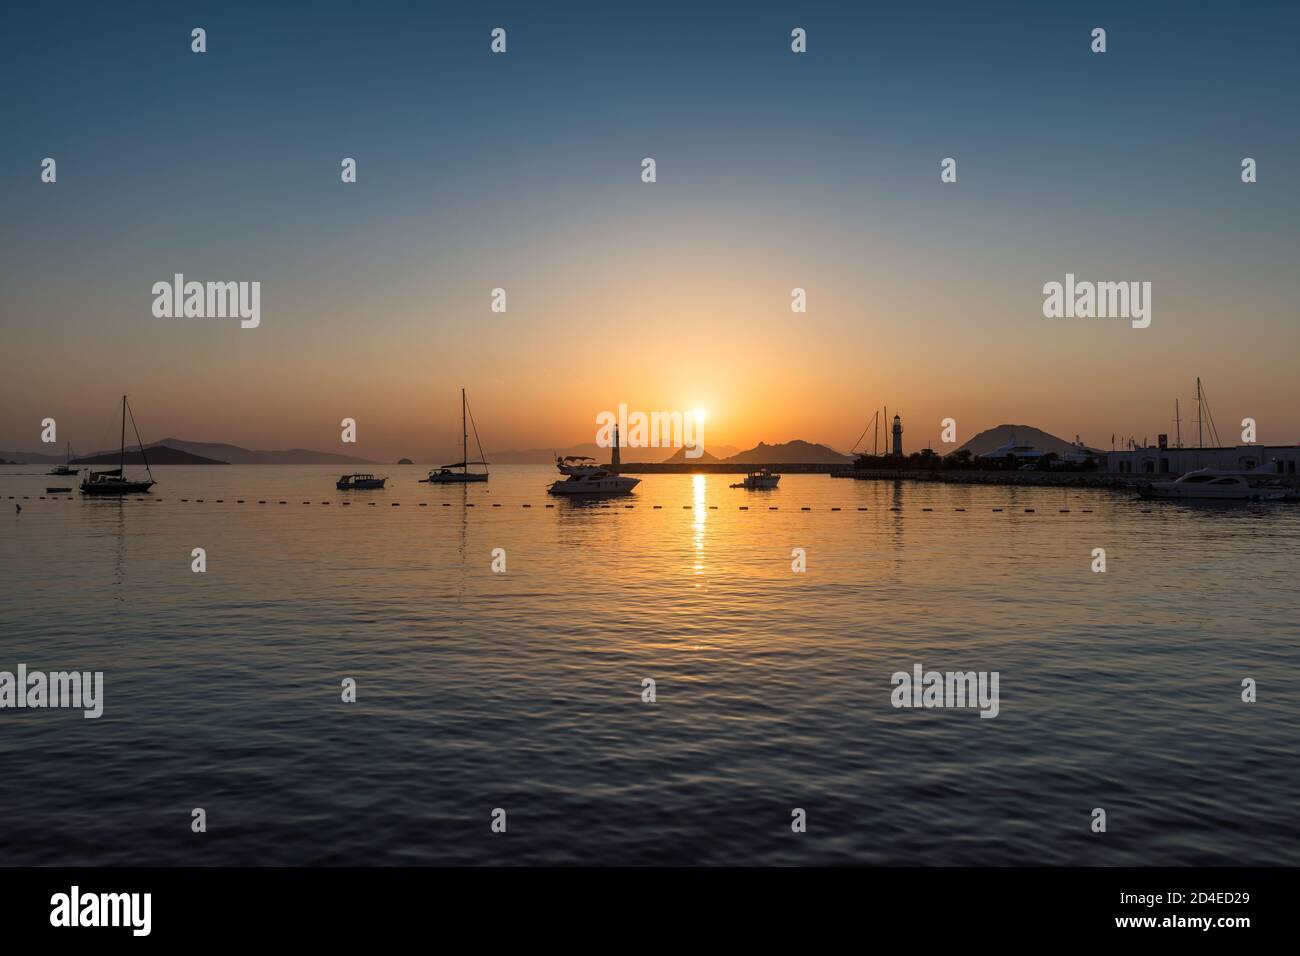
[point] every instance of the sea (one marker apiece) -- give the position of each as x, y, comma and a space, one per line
690, 675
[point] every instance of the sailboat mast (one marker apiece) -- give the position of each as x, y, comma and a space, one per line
464, 436
1200, 414
121, 458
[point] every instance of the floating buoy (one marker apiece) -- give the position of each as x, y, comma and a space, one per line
744, 507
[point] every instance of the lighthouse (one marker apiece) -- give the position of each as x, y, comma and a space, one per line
614, 457
898, 437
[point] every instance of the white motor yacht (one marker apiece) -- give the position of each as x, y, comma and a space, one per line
584, 477
1217, 484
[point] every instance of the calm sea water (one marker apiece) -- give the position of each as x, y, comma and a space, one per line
522, 691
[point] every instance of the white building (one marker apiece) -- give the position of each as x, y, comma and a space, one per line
1285, 459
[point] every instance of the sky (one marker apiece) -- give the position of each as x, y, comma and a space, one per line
522, 171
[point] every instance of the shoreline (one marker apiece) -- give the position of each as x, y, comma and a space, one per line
1073, 479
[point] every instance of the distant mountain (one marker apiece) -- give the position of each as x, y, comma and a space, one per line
546, 456
31, 458
679, 457
993, 438
214, 453
542, 456
795, 452
235, 455
156, 455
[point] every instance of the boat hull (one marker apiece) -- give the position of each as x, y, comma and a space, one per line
1212, 494
360, 485
455, 479
116, 487
609, 485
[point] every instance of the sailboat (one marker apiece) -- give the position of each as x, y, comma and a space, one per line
115, 482
66, 468
445, 475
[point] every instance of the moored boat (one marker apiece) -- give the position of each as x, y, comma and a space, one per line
1214, 484
446, 474
114, 481
584, 477
355, 482
66, 469
758, 480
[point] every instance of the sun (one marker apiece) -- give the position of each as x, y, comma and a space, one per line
700, 415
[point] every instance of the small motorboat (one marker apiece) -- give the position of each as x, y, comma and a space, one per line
355, 482
757, 480
58, 491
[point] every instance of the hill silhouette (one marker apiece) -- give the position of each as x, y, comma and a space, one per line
993, 438
155, 455
796, 452
680, 457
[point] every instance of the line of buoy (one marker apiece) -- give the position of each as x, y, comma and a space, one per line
446, 504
